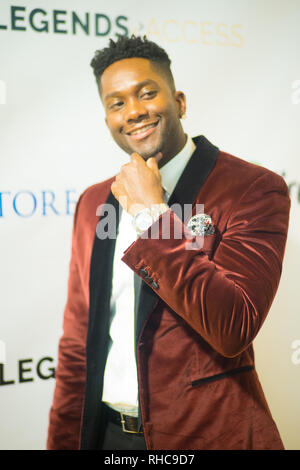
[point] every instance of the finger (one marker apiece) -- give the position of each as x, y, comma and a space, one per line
136, 157
119, 193
158, 156
152, 164
117, 187
114, 189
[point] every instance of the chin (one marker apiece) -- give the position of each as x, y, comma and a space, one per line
149, 152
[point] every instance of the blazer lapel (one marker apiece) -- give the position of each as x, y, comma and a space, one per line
192, 179
101, 271
97, 344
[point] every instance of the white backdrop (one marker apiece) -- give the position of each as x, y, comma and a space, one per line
238, 63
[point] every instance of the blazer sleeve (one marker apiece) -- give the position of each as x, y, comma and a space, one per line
225, 299
65, 413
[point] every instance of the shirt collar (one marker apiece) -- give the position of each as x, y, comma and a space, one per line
171, 171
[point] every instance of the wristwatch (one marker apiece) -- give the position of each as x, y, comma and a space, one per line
147, 216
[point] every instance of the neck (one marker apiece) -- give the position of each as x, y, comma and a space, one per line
181, 141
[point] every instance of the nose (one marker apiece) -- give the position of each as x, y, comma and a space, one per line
135, 110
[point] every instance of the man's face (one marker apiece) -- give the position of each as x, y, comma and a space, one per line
142, 110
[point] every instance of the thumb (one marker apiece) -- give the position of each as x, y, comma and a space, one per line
152, 164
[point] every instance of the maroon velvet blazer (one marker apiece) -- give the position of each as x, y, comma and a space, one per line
197, 312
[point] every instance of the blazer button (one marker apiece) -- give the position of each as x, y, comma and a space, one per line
143, 272
154, 285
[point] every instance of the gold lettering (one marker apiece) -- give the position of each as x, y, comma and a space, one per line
239, 36
153, 29
221, 34
204, 32
168, 38
188, 22
220, 27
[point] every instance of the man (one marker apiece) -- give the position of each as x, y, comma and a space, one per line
159, 323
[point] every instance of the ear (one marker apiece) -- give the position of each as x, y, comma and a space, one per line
181, 102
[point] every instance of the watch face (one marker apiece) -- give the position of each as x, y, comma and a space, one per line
143, 220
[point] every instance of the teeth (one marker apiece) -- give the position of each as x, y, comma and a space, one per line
143, 129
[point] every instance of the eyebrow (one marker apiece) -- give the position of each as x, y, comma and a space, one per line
137, 86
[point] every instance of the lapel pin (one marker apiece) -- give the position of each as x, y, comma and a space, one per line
201, 225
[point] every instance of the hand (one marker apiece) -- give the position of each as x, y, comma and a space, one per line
138, 185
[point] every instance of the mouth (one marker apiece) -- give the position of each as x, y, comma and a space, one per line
142, 131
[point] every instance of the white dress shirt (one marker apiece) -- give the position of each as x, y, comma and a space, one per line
120, 389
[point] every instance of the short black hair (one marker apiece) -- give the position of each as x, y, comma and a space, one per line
129, 47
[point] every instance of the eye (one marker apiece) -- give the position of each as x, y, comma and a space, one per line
115, 105
148, 94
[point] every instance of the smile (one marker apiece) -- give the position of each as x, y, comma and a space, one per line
142, 132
